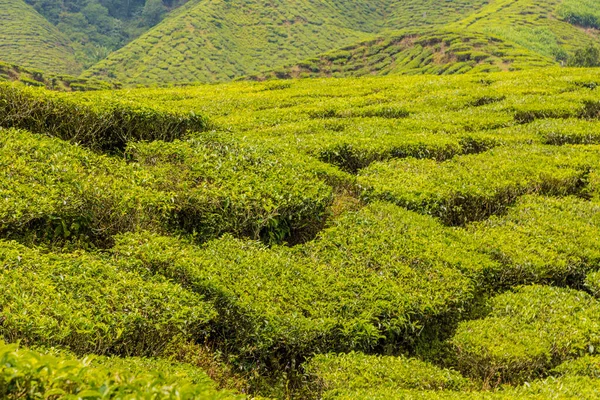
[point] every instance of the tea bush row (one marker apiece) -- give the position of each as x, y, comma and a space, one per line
53, 191
529, 331
542, 240
47, 374
90, 305
380, 278
103, 124
473, 187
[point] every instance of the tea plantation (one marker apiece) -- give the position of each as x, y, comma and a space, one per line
400, 237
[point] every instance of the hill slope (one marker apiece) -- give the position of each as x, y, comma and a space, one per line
27, 39
505, 34
220, 40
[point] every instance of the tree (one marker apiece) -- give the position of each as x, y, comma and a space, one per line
587, 57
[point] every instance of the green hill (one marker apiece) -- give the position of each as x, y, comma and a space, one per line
220, 40
503, 35
27, 39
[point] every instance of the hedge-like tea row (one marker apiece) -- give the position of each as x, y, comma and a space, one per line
36, 374
90, 305
528, 332
381, 277
567, 131
334, 373
542, 240
106, 124
473, 187
592, 282
55, 191
224, 185
568, 387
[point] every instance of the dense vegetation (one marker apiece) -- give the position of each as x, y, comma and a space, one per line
383, 237
215, 41
27, 39
175, 41
98, 27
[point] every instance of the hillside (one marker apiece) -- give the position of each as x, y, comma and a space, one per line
219, 40
32, 77
502, 35
27, 39
98, 27
393, 237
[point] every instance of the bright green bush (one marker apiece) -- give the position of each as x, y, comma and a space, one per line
224, 185
587, 365
381, 277
592, 281
104, 124
528, 332
334, 373
54, 192
542, 240
567, 131
34, 374
473, 187
568, 387
89, 305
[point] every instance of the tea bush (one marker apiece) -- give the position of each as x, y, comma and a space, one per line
89, 305
334, 373
592, 281
528, 332
54, 192
44, 374
224, 185
473, 187
520, 241
380, 277
106, 124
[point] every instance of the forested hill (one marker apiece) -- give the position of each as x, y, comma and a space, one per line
181, 41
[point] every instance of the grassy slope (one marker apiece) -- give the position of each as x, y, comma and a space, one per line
33, 77
210, 41
505, 34
27, 39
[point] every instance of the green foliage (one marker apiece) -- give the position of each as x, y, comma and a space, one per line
567, 131
587, 57
528, 332
105, 124
90, 305
223, 185
27, 39
39, 374
473, 187
335, 373
580, 12
380, 277
56, 192
519, 241
592, 281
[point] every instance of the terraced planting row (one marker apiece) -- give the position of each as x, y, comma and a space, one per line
416, 237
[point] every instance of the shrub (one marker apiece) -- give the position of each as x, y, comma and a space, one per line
222, 185
520, 241
528, 332
40, 374
380, 277
333, 373
54, 192
105, 124
89, 305
473, 187
592, 281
